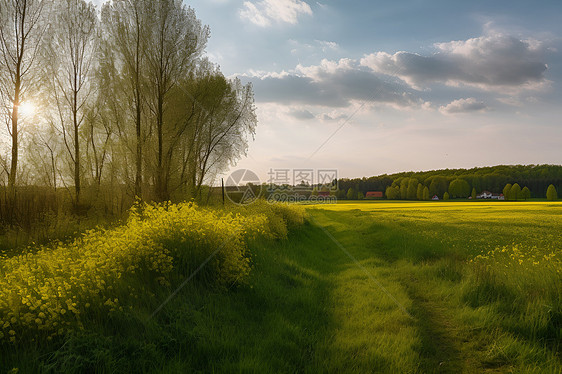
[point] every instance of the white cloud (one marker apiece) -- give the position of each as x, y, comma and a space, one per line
469, 105
494, 62
501, 66
335, 84
327, 46
313, 48
264, 13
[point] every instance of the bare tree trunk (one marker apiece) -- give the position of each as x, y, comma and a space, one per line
138, 177
161, 185
15, 130
76, 150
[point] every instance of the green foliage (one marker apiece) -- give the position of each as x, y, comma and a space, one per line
551, 193
459, 188
438, 186
514, 192
392, 193
492, 178
360, 196
426, 195
412, 189
404, 188
351, 194
446, 196
419, 192
525, 194
506, 190
473, 193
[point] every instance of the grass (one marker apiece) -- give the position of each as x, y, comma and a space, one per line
308, 307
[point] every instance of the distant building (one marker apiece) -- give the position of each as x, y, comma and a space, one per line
490, 195
435, 198
485, 195
374, 195
324, 193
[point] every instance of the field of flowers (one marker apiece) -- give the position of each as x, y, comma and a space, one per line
48, 291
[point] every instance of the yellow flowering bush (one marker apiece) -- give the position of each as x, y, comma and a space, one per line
46, 291
281, 217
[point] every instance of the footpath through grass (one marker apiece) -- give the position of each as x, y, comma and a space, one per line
480, 283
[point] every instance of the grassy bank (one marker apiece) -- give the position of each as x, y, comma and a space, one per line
53, 292
478, 292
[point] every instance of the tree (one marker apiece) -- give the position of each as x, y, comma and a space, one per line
125, 26
446, 196
360, 195
419, 192
506, 190
473, 194
426, 193
392, 193
21, 36
551, 193
176, 39
525, 193
75, 41
404, 188
514, 192
459, 188
212, 133
438, 186
351, 194
412, 189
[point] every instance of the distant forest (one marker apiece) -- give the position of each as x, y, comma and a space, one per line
536, 178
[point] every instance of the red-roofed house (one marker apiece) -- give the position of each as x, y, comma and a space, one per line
374, 195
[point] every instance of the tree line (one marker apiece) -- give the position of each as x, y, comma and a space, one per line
460, 183
124, 99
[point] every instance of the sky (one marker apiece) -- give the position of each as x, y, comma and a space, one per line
374, 87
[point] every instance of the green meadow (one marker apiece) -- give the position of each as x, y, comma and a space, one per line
400, 287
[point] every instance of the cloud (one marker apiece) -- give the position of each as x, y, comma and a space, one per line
330, 84
301, 114
333, 117
264, 13
327, 45
464, 106
493, 62
313, 48
496, 64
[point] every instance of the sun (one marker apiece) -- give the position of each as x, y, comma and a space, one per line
27, 109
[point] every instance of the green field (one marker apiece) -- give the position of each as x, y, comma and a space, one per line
362, 287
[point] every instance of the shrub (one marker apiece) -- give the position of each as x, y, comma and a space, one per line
46, 291
551, 193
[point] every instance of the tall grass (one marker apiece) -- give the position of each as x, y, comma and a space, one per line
524, 287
